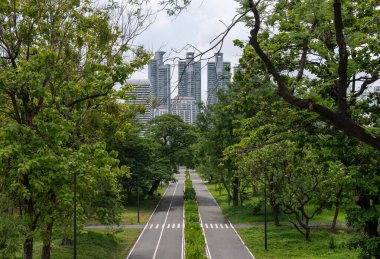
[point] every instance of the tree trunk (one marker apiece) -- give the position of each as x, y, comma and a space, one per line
153, 188
235, 192
276, 214
337, 206
28, 248
46, 248
333, 225
66, 241
307, 233
129, 196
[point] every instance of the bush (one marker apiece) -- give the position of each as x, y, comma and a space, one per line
195, 244
189, 194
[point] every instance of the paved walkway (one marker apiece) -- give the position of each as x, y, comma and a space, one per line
162, 236
222, 240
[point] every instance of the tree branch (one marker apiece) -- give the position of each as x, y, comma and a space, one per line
339, 120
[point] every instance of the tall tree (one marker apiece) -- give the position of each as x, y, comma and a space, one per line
59, 59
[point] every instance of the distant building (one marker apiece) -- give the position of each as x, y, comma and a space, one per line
217, 77
142, 95
159, 77
185, 107
189, 77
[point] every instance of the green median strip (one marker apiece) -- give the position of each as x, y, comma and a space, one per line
195, 245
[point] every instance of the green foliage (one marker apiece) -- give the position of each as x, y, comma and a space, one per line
11, 235
59, 109
194, 240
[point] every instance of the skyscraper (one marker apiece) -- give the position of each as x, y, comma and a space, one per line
159, 77
141, 96
217, 77
189, 77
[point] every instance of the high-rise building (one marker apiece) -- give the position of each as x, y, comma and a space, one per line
159, 77
141, 96
217, 77
185, 107
189, 77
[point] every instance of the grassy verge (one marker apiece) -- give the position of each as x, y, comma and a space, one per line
245, 213
286, 242
194, 240
129, 213
96, 244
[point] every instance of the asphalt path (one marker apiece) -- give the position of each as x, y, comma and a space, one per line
162, 236
222, 240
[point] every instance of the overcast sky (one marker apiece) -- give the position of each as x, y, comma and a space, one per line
198, 25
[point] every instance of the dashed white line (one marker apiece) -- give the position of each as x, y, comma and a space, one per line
206, 225
157, 226
178, 225
221, 226
211, 226
151, 225
227, 226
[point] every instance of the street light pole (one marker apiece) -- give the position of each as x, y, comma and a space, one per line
138, 205
265, 212
75, 215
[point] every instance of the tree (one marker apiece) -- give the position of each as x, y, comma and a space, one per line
60, 60
334, 54
174, 138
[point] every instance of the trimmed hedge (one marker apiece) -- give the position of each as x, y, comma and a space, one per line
195, 244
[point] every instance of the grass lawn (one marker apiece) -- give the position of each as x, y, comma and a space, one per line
286, 242
244, 214
129, 214
94, 244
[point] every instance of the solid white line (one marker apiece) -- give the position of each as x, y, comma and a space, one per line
231, 225
134, 246
208, 254
166, 218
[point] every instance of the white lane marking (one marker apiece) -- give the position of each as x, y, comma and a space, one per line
151, 225
157, 226
151, 215
166, 218
206, 225
211, 226
178, 225
230, 224
208, 254
221, 226
168, 226
216, 226
227, 226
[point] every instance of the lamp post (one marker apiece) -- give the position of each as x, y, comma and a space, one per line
75, 214
265, 211
138, 205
